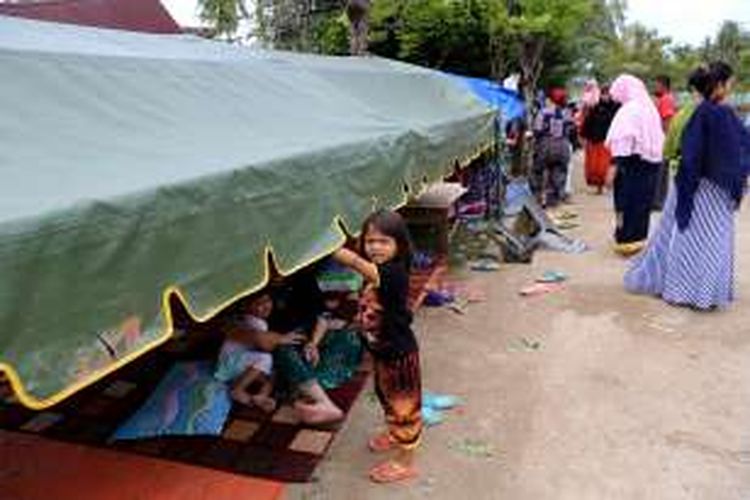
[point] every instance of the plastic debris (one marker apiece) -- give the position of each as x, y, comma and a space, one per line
552, 277
486, 265
458, 307
473, 448
434, 407
524, 344
440, 401
561, 243
431, 416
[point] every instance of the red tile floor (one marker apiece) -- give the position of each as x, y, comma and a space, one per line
35, 468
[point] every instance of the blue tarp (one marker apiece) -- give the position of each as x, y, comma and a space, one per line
509, 103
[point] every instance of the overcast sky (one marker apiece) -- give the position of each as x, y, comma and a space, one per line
685, 21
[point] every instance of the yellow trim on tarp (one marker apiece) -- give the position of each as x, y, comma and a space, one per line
338, 224
39, 404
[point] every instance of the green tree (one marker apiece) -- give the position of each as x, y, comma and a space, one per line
732, 45
639, 51
285, 24
728, 45
599, 35
332, 34
451, 35
223, 16
683, 59
319, 26
540, 36
487, 38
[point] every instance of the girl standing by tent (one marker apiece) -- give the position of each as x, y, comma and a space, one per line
599, 113
386, 323
636, 141
690, 259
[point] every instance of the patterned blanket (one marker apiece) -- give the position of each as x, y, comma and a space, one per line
188, 402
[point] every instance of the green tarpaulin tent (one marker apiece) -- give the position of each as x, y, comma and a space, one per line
134, 165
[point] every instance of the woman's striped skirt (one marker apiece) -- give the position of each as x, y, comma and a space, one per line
694, 267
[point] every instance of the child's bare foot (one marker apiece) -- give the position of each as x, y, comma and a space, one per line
265, 403
317, 413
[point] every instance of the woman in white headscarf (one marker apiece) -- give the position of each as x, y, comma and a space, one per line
636, 141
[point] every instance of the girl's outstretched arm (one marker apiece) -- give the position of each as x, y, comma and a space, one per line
265, 341
351, 260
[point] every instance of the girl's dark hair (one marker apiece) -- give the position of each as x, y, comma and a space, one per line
706, 79
698, 78
393, 225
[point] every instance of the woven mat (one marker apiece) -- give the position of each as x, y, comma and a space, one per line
254, 444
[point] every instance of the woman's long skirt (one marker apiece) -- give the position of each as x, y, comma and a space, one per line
598, 159
693, 267
635, 183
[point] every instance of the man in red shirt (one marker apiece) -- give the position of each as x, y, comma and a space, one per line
665, 100
665, 104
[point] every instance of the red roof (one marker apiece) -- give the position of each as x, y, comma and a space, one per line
148, 16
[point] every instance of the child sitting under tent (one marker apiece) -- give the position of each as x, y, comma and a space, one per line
245, 359
315, 300
335, 349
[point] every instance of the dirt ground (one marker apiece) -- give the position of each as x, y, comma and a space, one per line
623, 397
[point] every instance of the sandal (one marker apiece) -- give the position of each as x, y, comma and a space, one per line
540, 289
629, 249
567, 215
392, 472
380, 443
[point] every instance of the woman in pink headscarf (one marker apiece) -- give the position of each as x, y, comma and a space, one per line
636, 141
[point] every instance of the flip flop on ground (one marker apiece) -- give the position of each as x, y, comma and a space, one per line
392, 472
